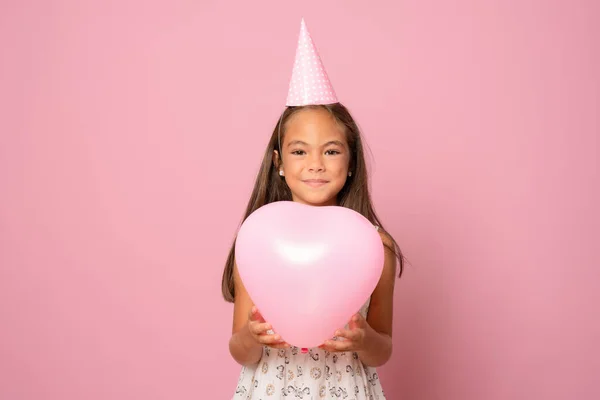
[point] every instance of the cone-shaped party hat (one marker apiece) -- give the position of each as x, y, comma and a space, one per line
310, 83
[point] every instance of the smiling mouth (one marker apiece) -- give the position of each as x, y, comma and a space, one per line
315, 182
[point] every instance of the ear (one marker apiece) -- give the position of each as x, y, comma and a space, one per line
276, 161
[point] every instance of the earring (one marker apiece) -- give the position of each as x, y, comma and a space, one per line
349, 173
280, 172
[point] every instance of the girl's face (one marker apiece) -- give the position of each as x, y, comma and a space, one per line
316, 157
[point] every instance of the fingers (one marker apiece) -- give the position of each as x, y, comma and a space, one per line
275, 341
255, 315
337, 345
256, 323
356, 329
351, 338
261, 330
354, 335
269, 339
357, 321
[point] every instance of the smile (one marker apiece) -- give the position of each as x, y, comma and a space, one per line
315, 182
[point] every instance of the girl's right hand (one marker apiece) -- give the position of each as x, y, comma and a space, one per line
259, 329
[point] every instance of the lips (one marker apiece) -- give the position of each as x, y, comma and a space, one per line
315, 182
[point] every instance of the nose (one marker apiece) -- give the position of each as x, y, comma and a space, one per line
315, 163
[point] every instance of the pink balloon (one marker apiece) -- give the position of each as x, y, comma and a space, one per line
308, 269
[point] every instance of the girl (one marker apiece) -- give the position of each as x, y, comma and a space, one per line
315, 156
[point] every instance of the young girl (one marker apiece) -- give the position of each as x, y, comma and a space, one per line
315, 156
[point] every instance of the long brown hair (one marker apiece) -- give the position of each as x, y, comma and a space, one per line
270, 187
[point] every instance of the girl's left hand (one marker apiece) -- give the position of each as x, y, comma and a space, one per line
353, 337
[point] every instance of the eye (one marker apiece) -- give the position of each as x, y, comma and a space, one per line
298, 152
332, 152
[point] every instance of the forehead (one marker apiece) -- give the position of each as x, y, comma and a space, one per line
314, 126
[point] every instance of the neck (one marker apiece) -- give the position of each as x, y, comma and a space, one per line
332, 202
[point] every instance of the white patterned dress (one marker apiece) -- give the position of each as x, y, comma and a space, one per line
317, 374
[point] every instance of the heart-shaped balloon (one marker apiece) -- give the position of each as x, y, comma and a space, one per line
308, 269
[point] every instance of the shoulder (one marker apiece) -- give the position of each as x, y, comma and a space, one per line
390, 260
386, 238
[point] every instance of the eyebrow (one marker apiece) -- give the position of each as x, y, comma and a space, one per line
331, 142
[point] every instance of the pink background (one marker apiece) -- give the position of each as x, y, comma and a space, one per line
130, 133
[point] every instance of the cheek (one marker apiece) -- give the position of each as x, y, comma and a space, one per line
339, 166
292, 166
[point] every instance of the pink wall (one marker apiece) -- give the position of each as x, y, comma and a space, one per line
130, 133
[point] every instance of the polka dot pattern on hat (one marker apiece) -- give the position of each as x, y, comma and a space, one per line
310, 83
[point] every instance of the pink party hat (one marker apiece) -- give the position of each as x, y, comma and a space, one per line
310, 83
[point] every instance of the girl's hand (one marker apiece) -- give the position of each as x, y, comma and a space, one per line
353, 337
259, 330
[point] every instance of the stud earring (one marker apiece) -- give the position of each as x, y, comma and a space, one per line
280, 172
349, 173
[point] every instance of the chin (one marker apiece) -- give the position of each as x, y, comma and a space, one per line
315, 197
318, 200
